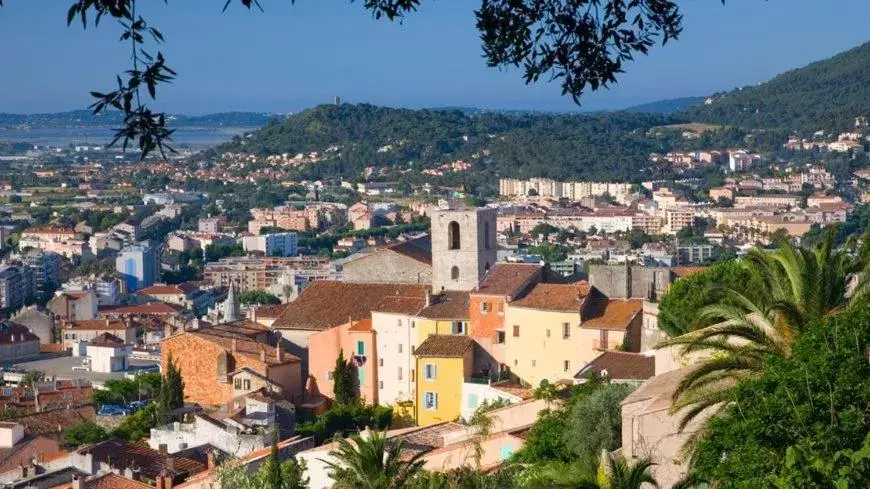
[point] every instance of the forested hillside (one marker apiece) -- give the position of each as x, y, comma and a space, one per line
826, 95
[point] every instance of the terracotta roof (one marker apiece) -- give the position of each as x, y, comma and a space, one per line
114, 481
24, 451
686, 271
620, 366
107, 339
160, 290
447, 305
143, 309
244, 327
612, 314
419, 249
508, 279
48, 230
53, 422
325, 304
444, 345
401, 304
97, 324
514, 389
121, 454
554, 297
8, 330
270, 312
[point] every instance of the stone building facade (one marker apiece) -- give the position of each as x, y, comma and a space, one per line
463, 247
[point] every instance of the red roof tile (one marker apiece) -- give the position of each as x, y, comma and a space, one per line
156, 308
444, 345
554, 297
620, 366
97, 324
508, 279
447, 305
612, 314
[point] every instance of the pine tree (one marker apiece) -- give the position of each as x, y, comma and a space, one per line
270, 471
171, 395
344, 381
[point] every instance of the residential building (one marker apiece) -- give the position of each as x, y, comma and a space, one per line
463, 247
717, 193
16, 286
40, 237
220, 364
210, 225
478, 392
108, 353
46, 270
280, 276
394, 326
138, 265
76, 332
407, 262
281, 217
767, 200
17, 342
74, 306
355, 340
38, 321
695, 254
280, 244
677, 219
648, 223
19, 449
486, 313
557, 329
618, 367
820, 200
443, 363
187, 295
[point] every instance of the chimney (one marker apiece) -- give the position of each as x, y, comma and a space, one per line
263, 355
279, 351
428, 299
78, 482
235, 344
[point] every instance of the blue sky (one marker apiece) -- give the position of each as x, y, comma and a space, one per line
296, 56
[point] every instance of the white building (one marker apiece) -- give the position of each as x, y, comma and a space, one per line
108, 353
284, 243
107, 289
395, 335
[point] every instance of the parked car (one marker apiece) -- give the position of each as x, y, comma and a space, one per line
113, 410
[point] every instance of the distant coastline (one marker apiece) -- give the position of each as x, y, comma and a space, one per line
188, 137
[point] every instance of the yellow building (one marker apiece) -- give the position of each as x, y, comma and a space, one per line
443, 363
555, 330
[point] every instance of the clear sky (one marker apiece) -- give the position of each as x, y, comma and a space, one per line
296, 56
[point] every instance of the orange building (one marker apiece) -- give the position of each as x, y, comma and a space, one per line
357, 340
503, 283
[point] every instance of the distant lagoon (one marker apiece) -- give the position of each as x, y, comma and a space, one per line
61, 138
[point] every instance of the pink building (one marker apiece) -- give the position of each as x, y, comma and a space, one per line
357, 340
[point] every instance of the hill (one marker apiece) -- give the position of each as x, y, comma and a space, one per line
110, 119
604, 146
825, 95
667, 106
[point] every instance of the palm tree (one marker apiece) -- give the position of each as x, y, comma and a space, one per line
614, 472
371, 462
799, 286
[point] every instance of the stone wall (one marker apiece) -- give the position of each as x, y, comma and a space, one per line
621, 282
387, 267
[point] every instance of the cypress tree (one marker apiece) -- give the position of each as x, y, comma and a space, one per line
344, 381
171, 390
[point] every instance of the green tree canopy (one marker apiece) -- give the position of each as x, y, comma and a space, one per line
345, 384
258, 297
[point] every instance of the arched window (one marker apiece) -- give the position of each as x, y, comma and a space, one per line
486, 267
454, 273
453, 235
486, 234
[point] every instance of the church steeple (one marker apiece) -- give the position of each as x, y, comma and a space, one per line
232, 309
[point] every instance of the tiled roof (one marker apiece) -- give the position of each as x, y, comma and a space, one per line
325, 304
444, 345
400, 304
612, 314
160, 290
143, 309
243, 345
121, 454
447, 305
97, 324
514, 389
49, 230
419, 249
107, 339
361, 325
244, 327
53, 422
554, 297
24, 451
270, 312
620, 366
508, 279
114, 481
14, 333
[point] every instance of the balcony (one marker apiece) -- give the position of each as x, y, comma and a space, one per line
483, 379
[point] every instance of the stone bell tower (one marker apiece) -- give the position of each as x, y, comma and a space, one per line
463, 247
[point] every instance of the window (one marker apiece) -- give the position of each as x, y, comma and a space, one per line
500, 307
485, 307
380, 362
360, 348
486, 237
516, 331
486, 268
238, 384
567, 365
534, 363
329, 375
430, 372
454, 273
457, 327
413, 375
505, 453
453, 240
400, 373
413, 324
412, 349
499, 337
566, 330
361, 376
516, 362
400, 348
246, 383
400, 323
548, 332
380, 384
430, 400
472, 401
